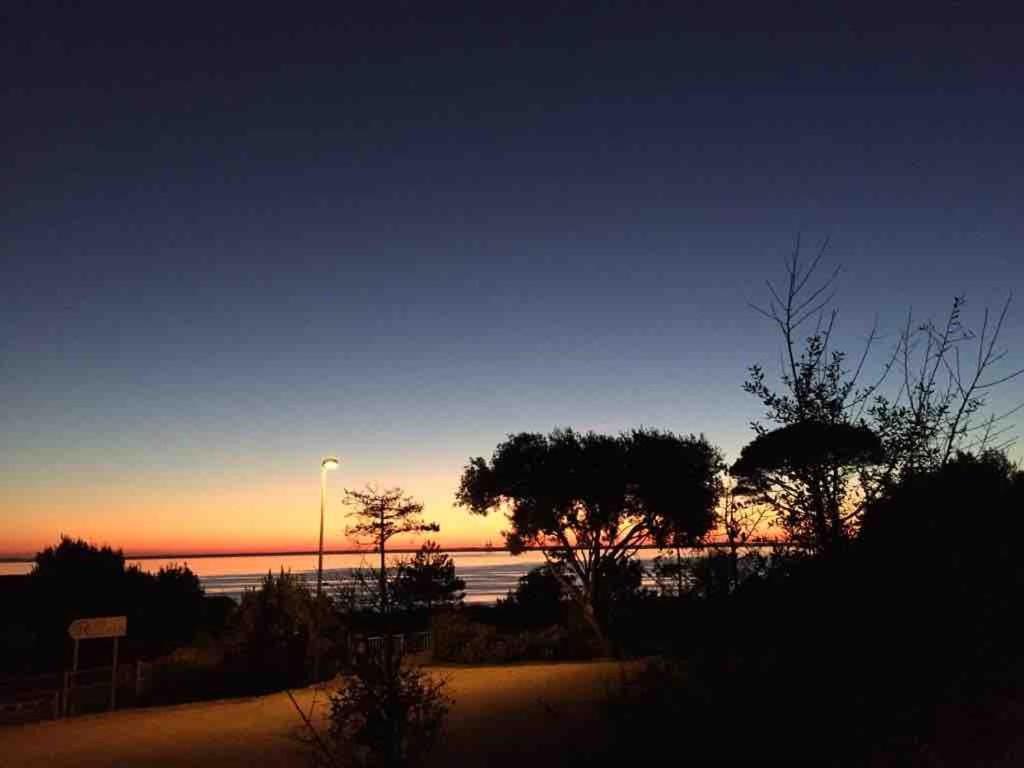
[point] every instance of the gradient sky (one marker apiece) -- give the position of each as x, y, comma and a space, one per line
233, 243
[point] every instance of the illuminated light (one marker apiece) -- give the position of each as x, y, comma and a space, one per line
329, 462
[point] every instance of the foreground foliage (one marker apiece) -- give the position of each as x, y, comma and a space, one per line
384, 714
76, 579
903, 650
593, 500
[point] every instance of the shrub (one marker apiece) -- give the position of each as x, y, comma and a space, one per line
385, 715
273, 629
189, 674
76, 579
461, 641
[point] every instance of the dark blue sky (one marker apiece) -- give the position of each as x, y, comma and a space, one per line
233, 242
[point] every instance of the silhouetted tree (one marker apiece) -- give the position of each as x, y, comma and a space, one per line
386, 715
804, 470
428, 580
381, 515
70, 581
942, 548
738, 519
539, 596
592, 500
903, 649
273, 626
672, 573
178, 598
360, 592
618, 582
838, 444
940, 407
76, 579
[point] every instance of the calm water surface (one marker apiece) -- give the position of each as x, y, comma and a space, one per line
488, 575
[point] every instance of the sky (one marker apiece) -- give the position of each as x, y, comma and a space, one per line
235, 241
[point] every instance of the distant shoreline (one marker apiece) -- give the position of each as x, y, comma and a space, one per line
270, 553
397, 551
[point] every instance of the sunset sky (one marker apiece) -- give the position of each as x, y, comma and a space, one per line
233, 245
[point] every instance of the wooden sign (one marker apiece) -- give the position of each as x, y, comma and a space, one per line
104, 626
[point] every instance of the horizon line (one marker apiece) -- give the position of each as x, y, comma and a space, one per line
760, 543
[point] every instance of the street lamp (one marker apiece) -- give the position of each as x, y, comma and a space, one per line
326, 464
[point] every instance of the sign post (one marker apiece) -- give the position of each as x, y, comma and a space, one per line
113, 680
94, 629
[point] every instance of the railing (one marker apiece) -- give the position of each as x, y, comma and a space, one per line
29, 698
418, 642
401, 645
95, 689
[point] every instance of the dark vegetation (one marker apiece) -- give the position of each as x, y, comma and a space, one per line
75, 579
882, 628
904, 649
384, 714
427, 581
594, 501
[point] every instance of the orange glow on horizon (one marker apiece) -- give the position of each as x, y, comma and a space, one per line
250, 516
280, 515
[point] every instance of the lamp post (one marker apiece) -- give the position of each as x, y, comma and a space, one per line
326, 464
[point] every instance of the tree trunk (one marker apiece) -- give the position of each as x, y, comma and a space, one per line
584, 600
383, 574
734, 567
590, 615
679, 573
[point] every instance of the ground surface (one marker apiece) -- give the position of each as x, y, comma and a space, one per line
501, 716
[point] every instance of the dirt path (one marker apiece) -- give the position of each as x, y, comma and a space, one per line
500, 716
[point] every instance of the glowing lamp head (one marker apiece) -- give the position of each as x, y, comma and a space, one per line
329, 462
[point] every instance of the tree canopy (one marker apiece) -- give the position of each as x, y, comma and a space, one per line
381, 515
839, 443
428, 579
76, 579
791, 448
591, 499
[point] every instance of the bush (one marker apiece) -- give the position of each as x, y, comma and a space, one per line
385, 715
903, 650
76, 579
459, 640
273, 628
537, 601
189, 674
427, 580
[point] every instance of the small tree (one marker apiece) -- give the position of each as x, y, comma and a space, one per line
428, 580
539, 597
837, 443
591, 501
76, 579
382, 715
380, 516
945, 372
273, 625
385, 715
178, 596
360, 592
740, 520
